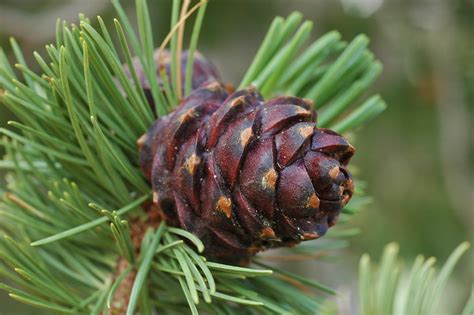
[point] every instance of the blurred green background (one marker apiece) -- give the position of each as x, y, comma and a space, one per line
417, 158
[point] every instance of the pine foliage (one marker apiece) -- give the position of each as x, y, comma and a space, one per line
75, 191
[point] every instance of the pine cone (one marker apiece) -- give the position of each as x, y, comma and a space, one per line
243, 174
203, 71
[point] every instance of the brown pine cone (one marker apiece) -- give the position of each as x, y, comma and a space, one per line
203, 71
243, 174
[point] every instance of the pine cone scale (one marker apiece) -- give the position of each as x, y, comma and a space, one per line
235, 106
276, 117
232, 146
257, 180
289, 142
296, 193
187, 172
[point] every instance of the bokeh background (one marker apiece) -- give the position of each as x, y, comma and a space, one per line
417, 158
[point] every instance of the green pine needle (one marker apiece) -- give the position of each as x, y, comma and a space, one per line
143, 270
192, 48
469, 308
382, 292
367, 111
116, 285
89, 225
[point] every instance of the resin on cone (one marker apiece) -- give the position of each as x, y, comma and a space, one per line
244, 174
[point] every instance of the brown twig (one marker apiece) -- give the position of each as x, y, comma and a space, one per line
179, 48
296, 283
175, 28
138, 228
20, 202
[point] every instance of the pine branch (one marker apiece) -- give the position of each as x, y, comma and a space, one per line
73, 155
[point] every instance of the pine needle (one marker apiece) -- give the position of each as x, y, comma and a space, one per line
143, 270
89, 225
